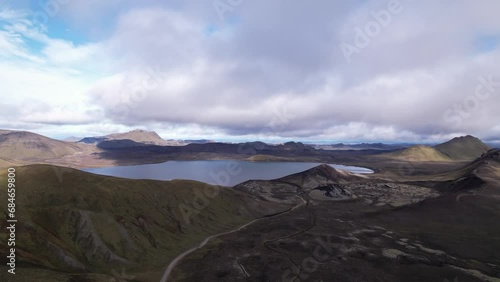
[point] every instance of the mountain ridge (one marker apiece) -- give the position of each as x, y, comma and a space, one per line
464, 148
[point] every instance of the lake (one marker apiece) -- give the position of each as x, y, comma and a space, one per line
220, 172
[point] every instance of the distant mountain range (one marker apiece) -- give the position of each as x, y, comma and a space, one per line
22, 147
140, 137
139, 146
363, 146
135, 137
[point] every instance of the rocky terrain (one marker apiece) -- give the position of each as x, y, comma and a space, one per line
364, 229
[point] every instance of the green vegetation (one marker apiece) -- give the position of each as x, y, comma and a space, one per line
79, 222
418, 154
463, 148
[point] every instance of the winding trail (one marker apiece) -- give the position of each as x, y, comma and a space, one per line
204, 242
313, 224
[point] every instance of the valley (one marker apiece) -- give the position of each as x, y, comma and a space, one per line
427, 213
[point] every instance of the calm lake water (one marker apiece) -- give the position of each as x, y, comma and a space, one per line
223, 172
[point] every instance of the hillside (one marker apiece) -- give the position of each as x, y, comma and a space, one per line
22, 146
7, 163
463, 148
418, 153
463, 221
487, 167
79, 222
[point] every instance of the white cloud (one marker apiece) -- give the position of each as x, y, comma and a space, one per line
43, 87
178, 69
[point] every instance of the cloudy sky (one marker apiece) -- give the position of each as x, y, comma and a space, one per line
413, 71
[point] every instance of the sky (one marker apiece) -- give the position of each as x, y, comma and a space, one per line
232, 70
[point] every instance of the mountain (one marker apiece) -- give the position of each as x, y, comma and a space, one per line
466, 148
323, 174
18, 147
26, 146
72, 139
73, 221
463, 148
419, 153
138, 136
119, 144
322, 182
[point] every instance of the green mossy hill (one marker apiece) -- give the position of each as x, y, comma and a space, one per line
418, 154
73, 221
463, 148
